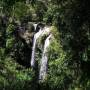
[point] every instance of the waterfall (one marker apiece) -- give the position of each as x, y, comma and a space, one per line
35, 26
41, 32
44, 60
36, 36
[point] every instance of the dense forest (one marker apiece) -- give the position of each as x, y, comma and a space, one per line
44, 45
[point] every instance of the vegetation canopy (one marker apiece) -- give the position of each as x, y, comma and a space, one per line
64, 57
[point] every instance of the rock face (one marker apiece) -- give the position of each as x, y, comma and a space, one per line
26, 33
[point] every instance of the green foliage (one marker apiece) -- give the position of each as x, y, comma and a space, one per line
40, 8
2, 54
13, 76
57, 64
10, 43
48, 17
69, 52
20, 10
72, 21
10, 37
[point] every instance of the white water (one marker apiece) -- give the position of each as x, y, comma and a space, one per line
41, 32
44, 60
36, 36
35, 26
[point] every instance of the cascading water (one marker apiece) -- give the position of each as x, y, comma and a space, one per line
41, 32
44, 60
35, 26
36, 36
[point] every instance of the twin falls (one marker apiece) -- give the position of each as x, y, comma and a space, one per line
40, 32
44, 58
